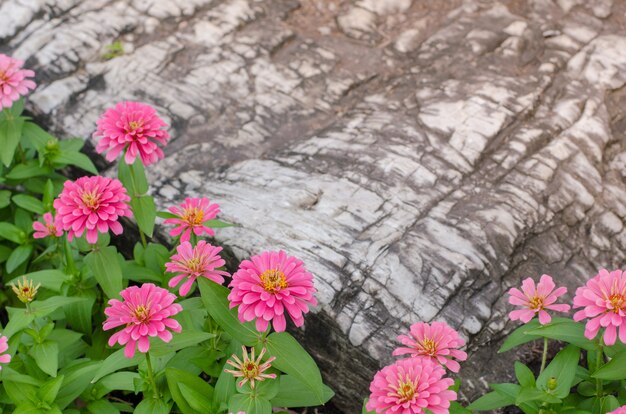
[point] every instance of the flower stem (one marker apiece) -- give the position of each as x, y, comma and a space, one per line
70, 267
599, 363
155, 391
544, 357
143, 239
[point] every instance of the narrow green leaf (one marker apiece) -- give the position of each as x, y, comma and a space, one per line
137, 273
18, 320
5, 198
50, 279
293, 393
524, 375
166, 214
46, 307
179, 341
144, 212
106, 269
614, 369
102, 407
29, 203
133, 177
225, 387
78, 314
216, 224
491, 401
198, 401
118, 381
11, 232
456, 408
75, 158
46, 356
215, 297
29, 169
249, 405
176, 377
19, 256
152, 406
34, 135
76, 380
115, 362
48, 392
568, 331
292, 359
10, 133
563, 369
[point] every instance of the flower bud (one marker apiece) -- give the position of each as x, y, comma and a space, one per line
552, 384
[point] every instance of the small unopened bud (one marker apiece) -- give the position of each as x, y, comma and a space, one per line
25, 290
552, 384
52, 144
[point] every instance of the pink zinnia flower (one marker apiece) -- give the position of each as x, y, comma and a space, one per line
13, 82
91, 204
47, 228
620, 410
134, 127
192, 263
437, 341
269, 283
192, 214
410, 386
604, 301
5, 358
536, 300
250, 369
146, 311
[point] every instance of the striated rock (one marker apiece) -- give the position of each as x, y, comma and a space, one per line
420, 157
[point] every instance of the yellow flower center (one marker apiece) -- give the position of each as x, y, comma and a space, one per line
250, 370
193, 216
273, 280
194, 265
134, 125
3, 76
141, 313
405, 391
428, 347
618, 302
91, 200
536, 303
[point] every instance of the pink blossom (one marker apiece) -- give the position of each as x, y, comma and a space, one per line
134, 127
269, 283
604, 301
410, 386
13, 82
192, 216
437, 341
620, 410
4, 358
47, 228
536, 300
146, 311
191, 263
91, 204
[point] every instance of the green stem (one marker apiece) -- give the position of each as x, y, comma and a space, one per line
70, 266
155, 391
544, 357
599, 363
143, 239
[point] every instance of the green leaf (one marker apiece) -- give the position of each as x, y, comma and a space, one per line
249, 405
18, 320
10, 133
36, 136
520, 336
19, 256
115, 362
144, 212
78, 314
29, 169
137, 273
133, 177
293, 393
512, 391
292, 359
176, 378
76, 380
198, 401
27, 407
75, 158
46, 356
102, 407
152, 406
166, 215
50, 279
48, 392
568, 331
563, 369
13, 233
528, 394
106, 269
5, 198
29, 203
225, 386
48, 195
524, 375
614, 369
179, 341
118, 381
46, 307
456, 408
215, 298
216, 224
491, 401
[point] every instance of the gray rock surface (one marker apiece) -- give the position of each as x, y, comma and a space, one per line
420, 156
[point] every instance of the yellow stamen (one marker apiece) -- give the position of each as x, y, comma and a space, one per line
193, 216
273, 280
91, 200
618, 302
406, 390
141, 313
429, 347
134, 125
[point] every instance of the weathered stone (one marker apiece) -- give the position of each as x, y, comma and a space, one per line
420, 157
